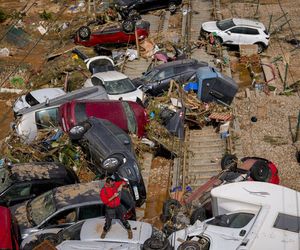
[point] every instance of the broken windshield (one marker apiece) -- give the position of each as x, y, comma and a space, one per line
225, 24
5, 181
42, 207
118, 87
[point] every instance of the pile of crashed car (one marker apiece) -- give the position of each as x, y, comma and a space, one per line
94, 128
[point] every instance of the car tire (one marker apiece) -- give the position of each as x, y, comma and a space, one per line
229, 162
156, 243
260, 171
198, 214
84, 32
190, 245
172, 7
260, 47
168, 206
128, 26
76, 133
133, 14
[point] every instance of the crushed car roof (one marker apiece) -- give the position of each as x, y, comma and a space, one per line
36, 171
178, 62
77, 193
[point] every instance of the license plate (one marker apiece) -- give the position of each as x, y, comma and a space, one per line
136, 192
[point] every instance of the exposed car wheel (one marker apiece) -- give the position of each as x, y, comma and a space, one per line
172, 7
198, 214
77, 132
260, 47
111, 163
190, 245
229, 162
260, 171
156, 243
133, 14
84, 32
128, 26
169, 206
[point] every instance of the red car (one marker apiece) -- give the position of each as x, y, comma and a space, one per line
9, 232
127, 115
117, 34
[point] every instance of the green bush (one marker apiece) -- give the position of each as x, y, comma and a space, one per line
46, 15
3, 16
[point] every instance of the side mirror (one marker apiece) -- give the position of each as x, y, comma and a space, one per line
228, 32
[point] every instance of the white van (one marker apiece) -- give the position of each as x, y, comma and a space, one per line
248, 215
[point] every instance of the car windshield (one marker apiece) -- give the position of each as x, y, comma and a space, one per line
225, 24
118, 87
236, 220
5, 181
41, 207
72, 232
31, 100
131, 122
149, 75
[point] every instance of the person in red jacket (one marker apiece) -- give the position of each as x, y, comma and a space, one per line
110, 196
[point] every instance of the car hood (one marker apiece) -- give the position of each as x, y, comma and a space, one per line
34, 236
210, 26
20, 213
131, 96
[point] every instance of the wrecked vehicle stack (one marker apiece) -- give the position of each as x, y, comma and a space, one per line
116, 106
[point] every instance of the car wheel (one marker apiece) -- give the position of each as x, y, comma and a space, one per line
260, 47
77, 132
84, 32
128, 26
190, 245
112, 163
172, 7
169, 206
229, 162
198, 214
156, 243
260, 171
132, 14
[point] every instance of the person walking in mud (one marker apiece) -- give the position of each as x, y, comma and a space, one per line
110, 196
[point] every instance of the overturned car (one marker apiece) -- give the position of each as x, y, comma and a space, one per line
110, 151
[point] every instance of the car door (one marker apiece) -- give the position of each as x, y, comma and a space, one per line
232, 35
228, 230
249, 36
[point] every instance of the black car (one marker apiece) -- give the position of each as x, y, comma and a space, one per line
110, 151
132, 7
157, 80
24, 181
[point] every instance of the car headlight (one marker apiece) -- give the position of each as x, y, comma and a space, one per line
110, 162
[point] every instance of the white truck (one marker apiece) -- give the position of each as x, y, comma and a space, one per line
247, 215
